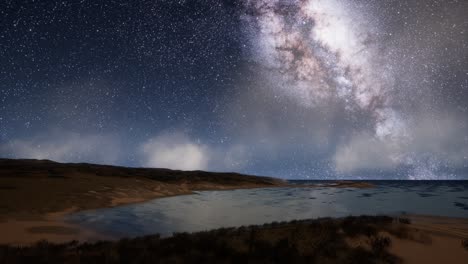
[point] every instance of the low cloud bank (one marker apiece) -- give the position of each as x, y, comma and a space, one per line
179, 151
65, 147
427, 145
175, 151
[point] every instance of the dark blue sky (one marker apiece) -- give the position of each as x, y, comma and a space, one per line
289, 88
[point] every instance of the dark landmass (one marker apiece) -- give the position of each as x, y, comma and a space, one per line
42, 186
345, 184
38, 187
364, 239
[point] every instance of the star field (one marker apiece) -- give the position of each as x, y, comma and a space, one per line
290, 88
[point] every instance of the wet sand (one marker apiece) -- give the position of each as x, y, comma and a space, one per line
50, 227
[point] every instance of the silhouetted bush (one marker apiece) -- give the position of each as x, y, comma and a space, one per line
464, 243
380, 243
354, 226
361, 256
404, 220
399, 231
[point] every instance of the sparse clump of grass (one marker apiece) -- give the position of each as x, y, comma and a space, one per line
464, 243
404, 220
380, 243
354, 226
360, 255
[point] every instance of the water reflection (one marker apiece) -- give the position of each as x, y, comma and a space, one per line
212, 209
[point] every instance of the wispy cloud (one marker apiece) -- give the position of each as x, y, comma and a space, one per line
175, 151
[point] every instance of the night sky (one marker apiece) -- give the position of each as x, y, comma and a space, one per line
287, 88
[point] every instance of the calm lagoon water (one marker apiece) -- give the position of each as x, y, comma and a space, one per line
213, 209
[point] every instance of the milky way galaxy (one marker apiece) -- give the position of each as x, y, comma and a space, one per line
317, 51
323, 49
320, 51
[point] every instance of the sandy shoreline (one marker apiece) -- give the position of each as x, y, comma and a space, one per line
36, 194
437, 239
25, 228
51, 227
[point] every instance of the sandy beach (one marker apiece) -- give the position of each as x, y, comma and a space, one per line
435, 239
50, 227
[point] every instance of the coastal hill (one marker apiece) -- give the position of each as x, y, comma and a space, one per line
35, 187
51, 169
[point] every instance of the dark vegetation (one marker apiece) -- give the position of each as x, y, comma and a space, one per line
404, 220
465, 243
306, 241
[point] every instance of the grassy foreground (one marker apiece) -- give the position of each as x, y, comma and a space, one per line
364, 239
